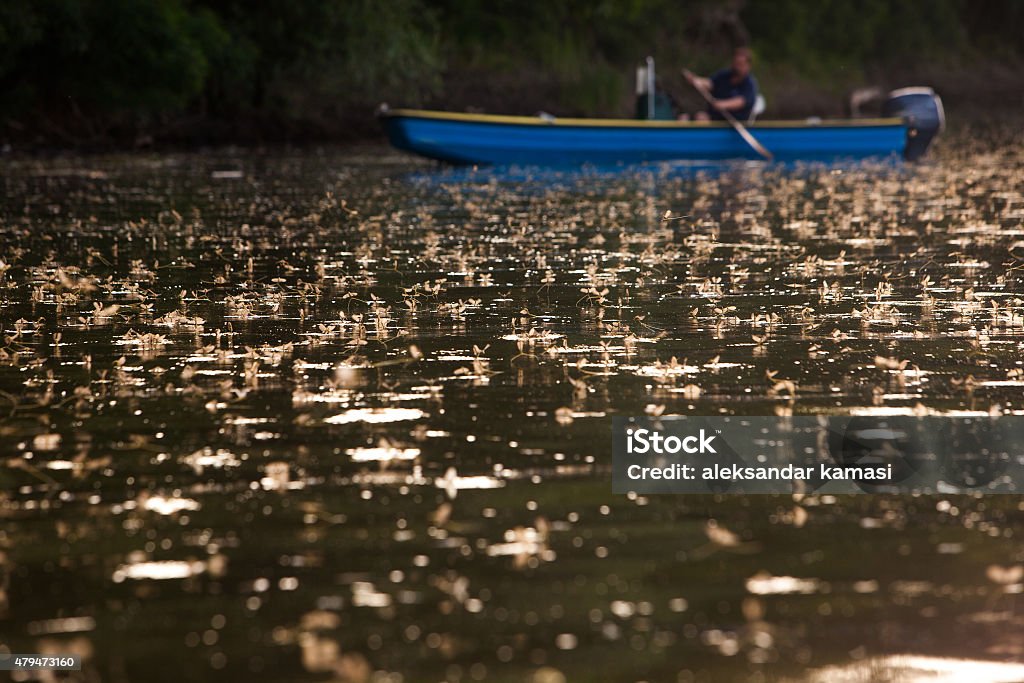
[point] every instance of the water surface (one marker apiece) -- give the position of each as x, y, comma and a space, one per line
304, 416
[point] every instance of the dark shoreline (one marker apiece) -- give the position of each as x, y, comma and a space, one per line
990, 92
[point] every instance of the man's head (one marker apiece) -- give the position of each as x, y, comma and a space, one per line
741, 61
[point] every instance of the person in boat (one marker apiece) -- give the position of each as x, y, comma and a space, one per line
734, 89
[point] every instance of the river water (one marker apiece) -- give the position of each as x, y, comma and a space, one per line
342, 415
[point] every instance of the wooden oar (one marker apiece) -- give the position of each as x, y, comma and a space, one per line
740, 128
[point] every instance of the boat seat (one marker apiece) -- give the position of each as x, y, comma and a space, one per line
759, 105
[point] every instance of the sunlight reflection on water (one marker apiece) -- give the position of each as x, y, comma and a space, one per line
348, 415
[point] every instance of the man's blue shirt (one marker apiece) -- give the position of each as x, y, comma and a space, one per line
723, 88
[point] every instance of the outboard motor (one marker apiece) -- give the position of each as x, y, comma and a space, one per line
651, 103
921, 108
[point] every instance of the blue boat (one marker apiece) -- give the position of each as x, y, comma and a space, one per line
915, 118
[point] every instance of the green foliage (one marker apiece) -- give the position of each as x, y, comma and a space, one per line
315, 53
141, 56
828, 36
92, 65
98, 61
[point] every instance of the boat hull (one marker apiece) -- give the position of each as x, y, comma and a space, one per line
484, 139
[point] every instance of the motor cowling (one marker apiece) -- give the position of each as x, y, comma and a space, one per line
922, 109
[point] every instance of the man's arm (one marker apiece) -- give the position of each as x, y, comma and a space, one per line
732, 103
698, 81
745, 99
